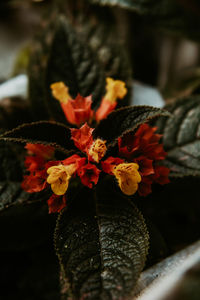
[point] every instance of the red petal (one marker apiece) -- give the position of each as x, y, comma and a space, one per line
56, 203
82, 137
35, 182
40, 150
105, 108
78, 111
110, 163
89, 175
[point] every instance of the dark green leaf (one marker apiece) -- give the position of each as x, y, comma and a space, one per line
181, 137
102, 243
126, 119
42, 132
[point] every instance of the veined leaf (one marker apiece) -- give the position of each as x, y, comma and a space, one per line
181, 137
99, 28
102, 243
42, 132
126, 119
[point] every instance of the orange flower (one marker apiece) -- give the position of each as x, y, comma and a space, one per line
89, 175
82, 137
78, 111
114, 89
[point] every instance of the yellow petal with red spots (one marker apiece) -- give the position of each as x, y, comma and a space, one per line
128, 177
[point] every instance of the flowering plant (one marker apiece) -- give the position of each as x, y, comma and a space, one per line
134, 166
90, 164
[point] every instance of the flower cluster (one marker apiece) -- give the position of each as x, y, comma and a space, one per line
78, 111
134, 168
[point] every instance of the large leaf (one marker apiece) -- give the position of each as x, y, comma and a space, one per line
66, 58
180, 16
42, 132
125, 119
99, 28
181, 137
102, 242
73, 62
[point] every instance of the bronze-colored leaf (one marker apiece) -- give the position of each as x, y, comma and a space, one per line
102, 244
181, 137
42, 132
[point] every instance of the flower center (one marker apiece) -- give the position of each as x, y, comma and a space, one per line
98, 150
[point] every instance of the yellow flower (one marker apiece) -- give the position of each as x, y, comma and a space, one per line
128, 177
98, 150
60, 91
114, 89
59, 177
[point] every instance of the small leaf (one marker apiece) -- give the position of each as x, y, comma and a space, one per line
126, 119
181, 137
42, 132
102, 244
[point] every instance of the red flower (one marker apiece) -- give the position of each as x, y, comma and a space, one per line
78, 111
143, 143
82, 137
43, 151
35, 182
161, 175
110, 163
33, 163
144, 149
56, 203
89, 174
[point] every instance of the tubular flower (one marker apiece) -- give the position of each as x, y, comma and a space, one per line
97, 150
60, 92
59, 177
128, 177
114, 89
78, 111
